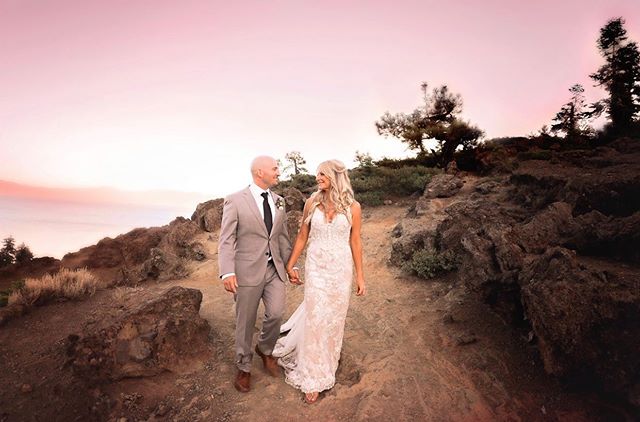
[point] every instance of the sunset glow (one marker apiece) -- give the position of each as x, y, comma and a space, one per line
181, 95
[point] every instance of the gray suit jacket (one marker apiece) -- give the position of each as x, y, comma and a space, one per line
244, 245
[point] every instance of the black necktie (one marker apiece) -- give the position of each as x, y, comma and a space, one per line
268, 219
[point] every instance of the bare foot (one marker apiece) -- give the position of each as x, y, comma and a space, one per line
311, 398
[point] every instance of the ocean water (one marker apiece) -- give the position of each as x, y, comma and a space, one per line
53, 228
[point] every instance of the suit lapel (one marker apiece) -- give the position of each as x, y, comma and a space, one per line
251, 203
279, 213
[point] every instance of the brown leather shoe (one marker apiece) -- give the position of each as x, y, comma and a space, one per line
243, 381
270, 363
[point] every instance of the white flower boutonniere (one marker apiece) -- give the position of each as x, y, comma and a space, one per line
280, 204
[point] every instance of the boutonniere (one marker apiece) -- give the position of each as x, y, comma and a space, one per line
280, 204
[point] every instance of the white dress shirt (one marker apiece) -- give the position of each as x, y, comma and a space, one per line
257, 192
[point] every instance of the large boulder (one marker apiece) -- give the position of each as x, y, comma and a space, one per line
480, 234
586, 319
608, 236
440, 186
496, 159
208, 215
592, 234
158, 253
443, 186
163, 334
550, 227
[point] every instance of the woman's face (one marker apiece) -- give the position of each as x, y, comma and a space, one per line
323, 181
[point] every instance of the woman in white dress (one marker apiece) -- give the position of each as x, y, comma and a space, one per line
331, 221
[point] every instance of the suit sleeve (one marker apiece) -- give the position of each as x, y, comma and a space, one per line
227, 238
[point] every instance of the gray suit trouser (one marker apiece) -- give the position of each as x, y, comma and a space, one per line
272, 292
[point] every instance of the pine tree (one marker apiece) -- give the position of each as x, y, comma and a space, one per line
363, 159
23, 254
436, 119
572, 119
8, 251
620, 76
296, 162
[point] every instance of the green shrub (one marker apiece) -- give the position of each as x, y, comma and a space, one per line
386, 181
426, 263
408, 180
372, 199
397, 163
372, 184
368, 183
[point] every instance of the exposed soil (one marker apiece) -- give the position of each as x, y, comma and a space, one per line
413, 350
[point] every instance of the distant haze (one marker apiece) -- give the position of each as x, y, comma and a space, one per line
102, 195
53, 222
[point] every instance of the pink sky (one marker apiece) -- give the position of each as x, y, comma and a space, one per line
181, 95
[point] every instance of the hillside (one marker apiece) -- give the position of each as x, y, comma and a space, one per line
413, 350
546, 282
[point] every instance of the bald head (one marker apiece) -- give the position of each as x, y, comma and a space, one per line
261, 162
265, 171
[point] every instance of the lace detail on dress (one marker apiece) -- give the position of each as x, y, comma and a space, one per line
310, 352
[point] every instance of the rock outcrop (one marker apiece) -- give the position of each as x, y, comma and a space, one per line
586, 316
294, 199
602, 179
554, 247
164, 334
443, 186
208, 215
156, 253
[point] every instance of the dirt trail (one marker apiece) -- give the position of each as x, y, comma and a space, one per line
413, 350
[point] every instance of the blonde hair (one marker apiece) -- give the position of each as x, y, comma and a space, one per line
340, 191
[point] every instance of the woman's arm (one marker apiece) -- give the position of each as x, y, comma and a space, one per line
356, 246
300, 243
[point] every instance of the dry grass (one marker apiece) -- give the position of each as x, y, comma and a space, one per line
68, 284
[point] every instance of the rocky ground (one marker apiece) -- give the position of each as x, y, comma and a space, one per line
552, 246
413, 350
539, 321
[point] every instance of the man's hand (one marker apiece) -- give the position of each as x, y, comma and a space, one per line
294, 276
230, 284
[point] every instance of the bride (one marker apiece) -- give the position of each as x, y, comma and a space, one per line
331, 221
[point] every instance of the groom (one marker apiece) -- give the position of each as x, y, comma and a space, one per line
253, 249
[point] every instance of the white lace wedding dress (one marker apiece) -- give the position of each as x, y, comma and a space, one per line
309, 353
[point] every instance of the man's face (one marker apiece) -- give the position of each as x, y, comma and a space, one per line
270, 173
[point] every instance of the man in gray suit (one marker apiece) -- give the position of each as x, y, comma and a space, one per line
253, 249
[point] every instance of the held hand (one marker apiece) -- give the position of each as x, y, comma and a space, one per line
230, 284
361, 289
294, 276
